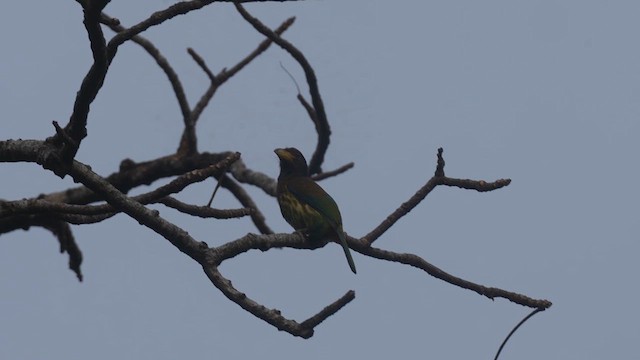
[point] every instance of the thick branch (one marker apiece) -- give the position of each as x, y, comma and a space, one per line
76, 129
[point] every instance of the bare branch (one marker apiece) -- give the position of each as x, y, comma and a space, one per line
271, 316
322, 124
62, 231
204, 211
477, 185
203, 65
438, 179
329, 310
336, 172
264, 243
418, 262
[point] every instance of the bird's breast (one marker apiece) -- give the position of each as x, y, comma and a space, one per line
301, 216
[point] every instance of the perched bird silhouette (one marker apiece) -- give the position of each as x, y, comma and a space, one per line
305, 205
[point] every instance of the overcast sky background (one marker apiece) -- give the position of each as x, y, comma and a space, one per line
546, 93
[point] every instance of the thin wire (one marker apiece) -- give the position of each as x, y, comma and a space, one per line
516, 328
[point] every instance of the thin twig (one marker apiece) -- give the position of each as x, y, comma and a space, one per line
256, 215
336, 172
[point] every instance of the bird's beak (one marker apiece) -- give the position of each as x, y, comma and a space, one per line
282, 153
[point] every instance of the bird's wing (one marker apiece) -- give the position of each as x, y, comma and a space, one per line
310, 193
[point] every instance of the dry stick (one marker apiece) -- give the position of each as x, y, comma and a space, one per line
215, 190
336, 172
77, 219
62, 231
308, 108
203, 65
322, 125
204, 211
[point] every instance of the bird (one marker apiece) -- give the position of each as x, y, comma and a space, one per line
305, 205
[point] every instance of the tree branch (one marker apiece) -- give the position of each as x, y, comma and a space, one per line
321, 123
416, 261
76, 129
438, 179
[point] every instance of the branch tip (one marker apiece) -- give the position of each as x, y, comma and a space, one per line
440, 167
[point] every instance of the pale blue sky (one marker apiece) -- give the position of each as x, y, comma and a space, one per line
546, 93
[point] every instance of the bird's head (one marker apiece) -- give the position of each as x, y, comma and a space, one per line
292, 162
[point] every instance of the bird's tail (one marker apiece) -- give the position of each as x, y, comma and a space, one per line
347, 252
